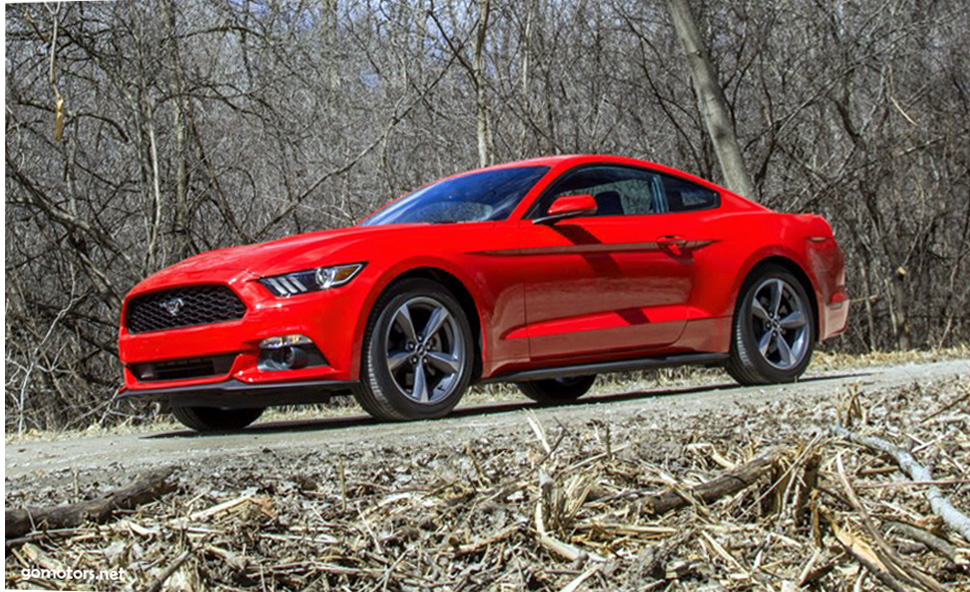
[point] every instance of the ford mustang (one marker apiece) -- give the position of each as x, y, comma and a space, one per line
542, 273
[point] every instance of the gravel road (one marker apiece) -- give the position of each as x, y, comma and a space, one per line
32, 461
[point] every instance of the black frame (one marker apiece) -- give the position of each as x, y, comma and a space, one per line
533, 214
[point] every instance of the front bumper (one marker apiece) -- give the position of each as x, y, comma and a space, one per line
328, 318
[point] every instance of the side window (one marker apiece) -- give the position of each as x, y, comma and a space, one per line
618, 191
684, 196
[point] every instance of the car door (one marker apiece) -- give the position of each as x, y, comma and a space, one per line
615, 282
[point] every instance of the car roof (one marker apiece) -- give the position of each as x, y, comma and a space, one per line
576, 159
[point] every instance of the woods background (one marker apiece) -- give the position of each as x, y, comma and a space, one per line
139, 133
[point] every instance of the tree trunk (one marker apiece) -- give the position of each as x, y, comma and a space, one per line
181, 223
330, 18
478, 64
710, 101
524, 75
903, 341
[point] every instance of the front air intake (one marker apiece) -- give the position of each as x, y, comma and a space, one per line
183, 369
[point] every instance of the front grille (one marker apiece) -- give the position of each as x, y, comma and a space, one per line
183, 369
183, 307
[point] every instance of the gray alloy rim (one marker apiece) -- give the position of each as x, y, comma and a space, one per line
425, 352
780, 324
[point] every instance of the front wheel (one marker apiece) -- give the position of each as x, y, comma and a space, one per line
557, 390
215, 419
773, 331
418, 353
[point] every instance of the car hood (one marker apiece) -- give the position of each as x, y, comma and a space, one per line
303, 251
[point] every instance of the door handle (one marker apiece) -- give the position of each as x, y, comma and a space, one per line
673, 243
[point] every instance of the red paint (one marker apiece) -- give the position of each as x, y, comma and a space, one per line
583, 288
573, 204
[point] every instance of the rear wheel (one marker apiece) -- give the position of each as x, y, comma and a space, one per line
417, 355
773, 330
557, 390
215, 419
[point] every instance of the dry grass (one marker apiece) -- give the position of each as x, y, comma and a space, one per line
824, 360
553, 507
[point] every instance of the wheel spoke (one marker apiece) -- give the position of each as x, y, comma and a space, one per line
444, 362
420, 390
396, 358
758, 310
764, 343
437, 319
793, 320
425, 351
402, 318
776, 292
784, 351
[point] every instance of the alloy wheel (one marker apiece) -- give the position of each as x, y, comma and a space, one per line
425, 354
780, 324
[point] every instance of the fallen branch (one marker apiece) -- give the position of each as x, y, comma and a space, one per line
890, 558
862, 552
927, 538
948, 406
149, 487
728, 484
577, 582
812, 572
941, 506
549, 542
37, 536
479, 545
565, 550
168, 571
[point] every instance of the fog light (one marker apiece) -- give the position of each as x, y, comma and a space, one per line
289, 358
282, 341
288, 352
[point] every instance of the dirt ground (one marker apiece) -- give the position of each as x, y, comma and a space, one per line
480, 500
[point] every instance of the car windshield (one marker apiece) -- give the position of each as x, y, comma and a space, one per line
477, 197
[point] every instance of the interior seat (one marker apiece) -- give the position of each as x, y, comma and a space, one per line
608, 204
675, 201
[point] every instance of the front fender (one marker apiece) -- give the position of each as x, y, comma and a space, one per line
393, 272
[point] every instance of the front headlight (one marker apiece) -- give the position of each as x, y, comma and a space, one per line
311, 280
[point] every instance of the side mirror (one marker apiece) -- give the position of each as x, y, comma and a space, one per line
569, 206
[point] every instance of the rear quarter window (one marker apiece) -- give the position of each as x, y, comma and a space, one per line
684, 196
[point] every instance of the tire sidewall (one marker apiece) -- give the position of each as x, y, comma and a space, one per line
744, 330
376, 366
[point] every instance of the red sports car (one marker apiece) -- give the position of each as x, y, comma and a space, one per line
542, 272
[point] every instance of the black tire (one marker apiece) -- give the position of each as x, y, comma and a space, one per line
215, 419
557, 390
747, 364
393, 393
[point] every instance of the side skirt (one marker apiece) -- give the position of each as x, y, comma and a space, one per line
606, 367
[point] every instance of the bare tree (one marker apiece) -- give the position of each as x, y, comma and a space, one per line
478, 72
188, 126
710, 100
